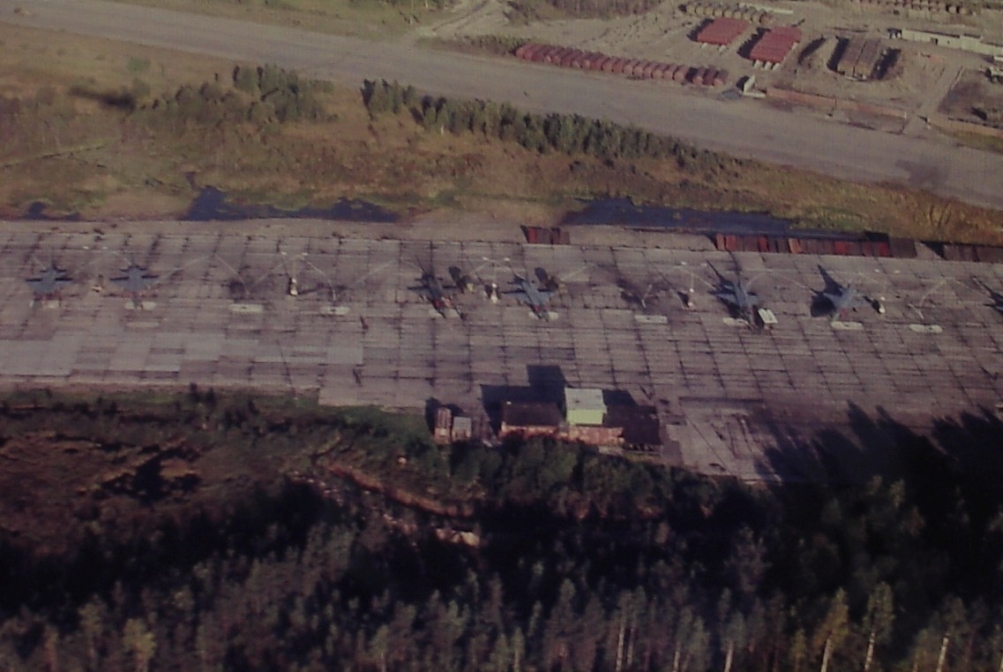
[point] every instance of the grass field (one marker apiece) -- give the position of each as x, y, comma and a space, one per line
370, 19
81, 133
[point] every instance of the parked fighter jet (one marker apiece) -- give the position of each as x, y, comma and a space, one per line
49, 281
530, 293
738, 296
464, 281
639, 295
836, 299
135, 281
994, 296
432, 289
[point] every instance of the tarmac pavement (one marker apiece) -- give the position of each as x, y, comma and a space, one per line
221, 315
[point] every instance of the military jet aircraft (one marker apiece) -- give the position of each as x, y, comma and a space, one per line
432, 289
464, 282
534, 296
738, 296
836, 299
135, 280
994, 296
642, 296
49, 281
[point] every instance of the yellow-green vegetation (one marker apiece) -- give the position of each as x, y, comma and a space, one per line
107, 130
986, 143
370, 19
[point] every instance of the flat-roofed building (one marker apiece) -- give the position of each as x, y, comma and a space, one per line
584, 406
722, 31
528, 419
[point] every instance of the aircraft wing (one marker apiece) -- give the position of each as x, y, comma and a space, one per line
727, 296
132, 283
520, 294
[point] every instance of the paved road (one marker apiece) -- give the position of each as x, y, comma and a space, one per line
743, 128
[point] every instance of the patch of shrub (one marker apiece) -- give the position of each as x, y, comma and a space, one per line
259, 95
570, 134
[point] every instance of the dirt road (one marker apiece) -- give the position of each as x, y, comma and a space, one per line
743, 127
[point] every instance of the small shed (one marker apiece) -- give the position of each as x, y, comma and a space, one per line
774, 46
584, 406
721, 31
462, 428
443, 424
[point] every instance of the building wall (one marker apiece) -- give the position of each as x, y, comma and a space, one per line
586, 416
596, 436
527, 432
972, 43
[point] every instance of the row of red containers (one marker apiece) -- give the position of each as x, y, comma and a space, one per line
539, 235
568, 57
874, 245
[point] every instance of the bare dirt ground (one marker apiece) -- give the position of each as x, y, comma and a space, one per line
973, 89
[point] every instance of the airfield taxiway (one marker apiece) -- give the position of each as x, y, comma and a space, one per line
220, 315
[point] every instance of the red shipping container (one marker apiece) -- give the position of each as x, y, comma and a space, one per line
556, 54
532, 50
546, 55
569, 57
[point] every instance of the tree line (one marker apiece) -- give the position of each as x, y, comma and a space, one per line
257, 94
573, 561
570, 134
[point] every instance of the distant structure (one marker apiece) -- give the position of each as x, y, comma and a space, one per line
722, 31
746, 11
773, 47
584, 406
451, 428
586, 418
964, 41
861, 58
530, 419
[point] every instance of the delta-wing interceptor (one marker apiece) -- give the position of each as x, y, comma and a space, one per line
432, 289
836, 298
49, 281
994, 296
738, 296
135, 280
534, 296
